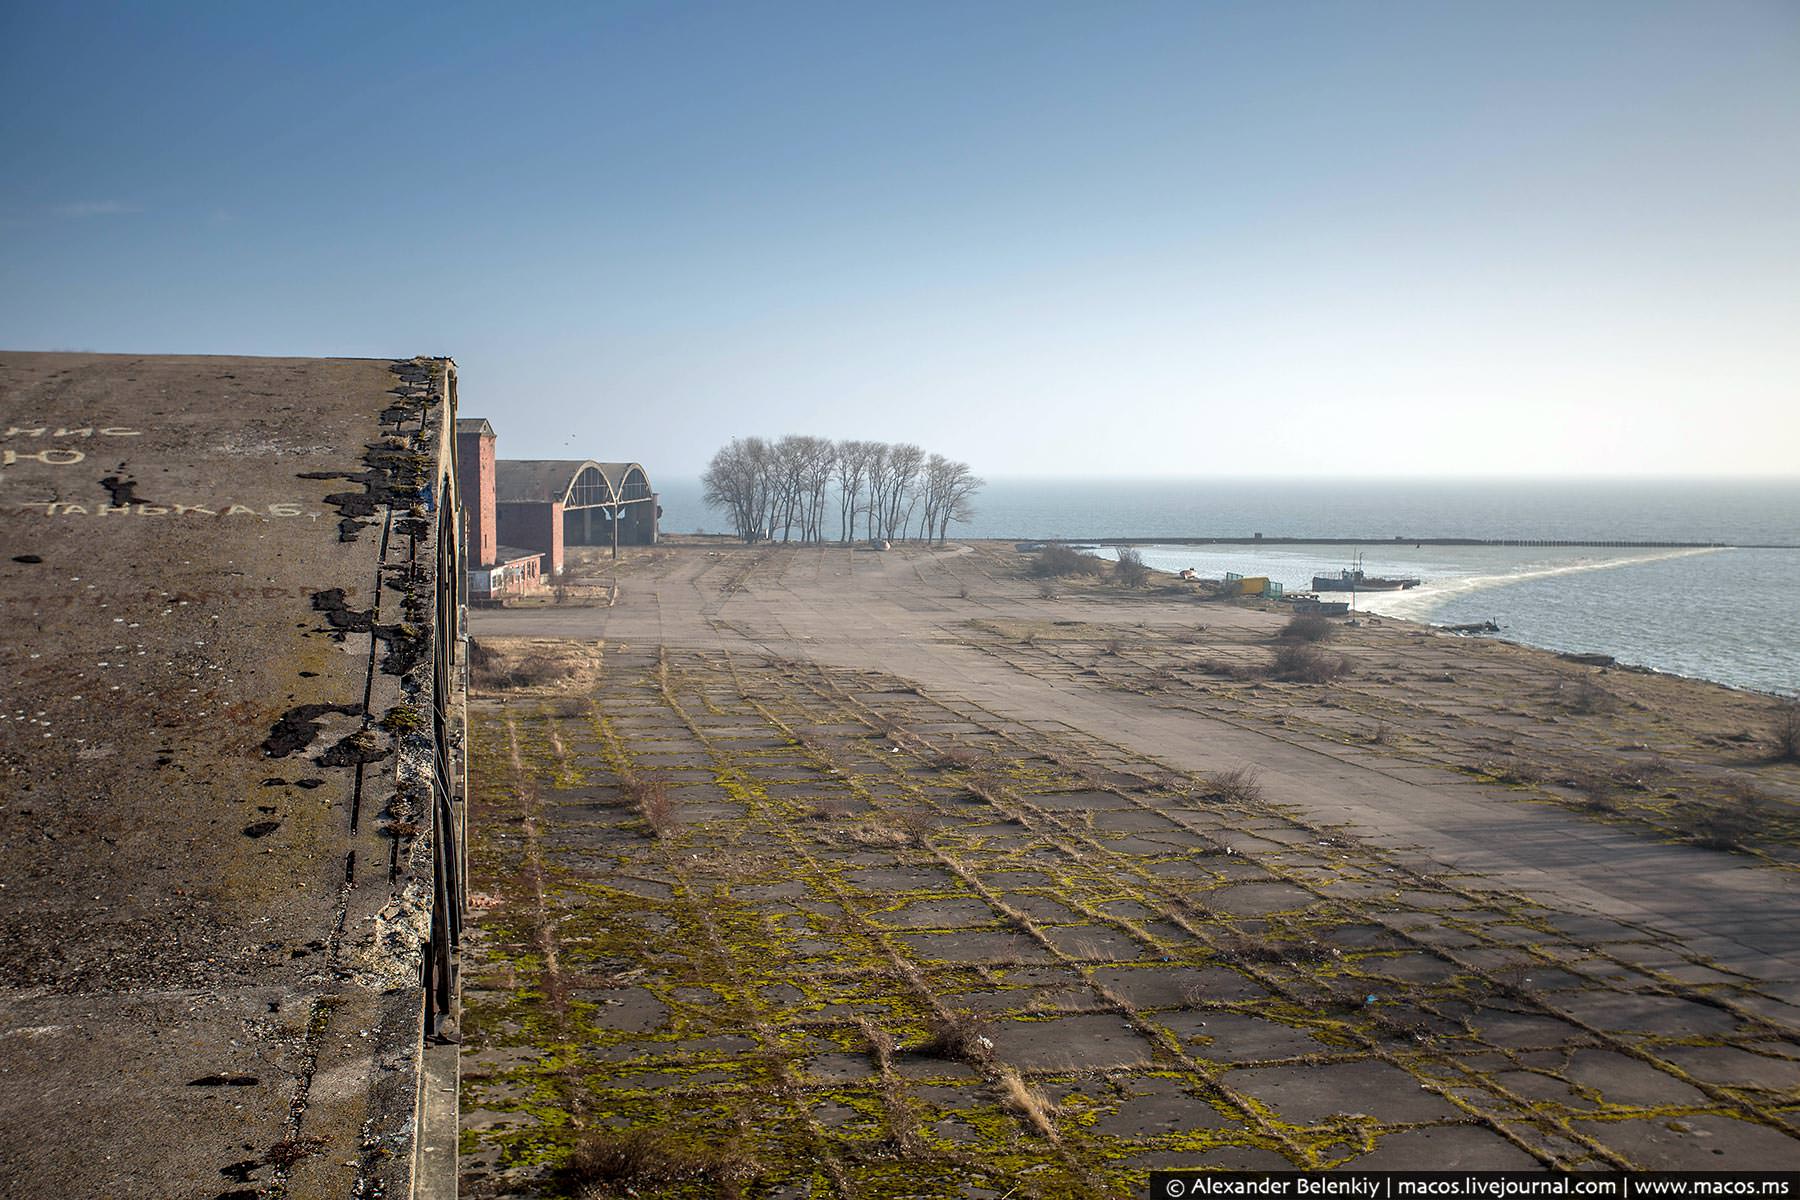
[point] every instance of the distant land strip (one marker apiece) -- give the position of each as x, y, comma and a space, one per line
1259, 540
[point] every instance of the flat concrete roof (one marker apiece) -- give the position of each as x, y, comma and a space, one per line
211, 903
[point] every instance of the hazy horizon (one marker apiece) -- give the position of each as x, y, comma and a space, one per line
1156, 240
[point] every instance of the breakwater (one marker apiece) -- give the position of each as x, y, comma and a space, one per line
1259, 540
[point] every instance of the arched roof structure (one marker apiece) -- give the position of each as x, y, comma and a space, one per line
571, 482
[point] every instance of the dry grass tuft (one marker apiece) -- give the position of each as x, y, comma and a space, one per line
957, 757
1238, 947
1509, 770
879, 1041
1028, 1102
629, 1162
875, 835
494, 671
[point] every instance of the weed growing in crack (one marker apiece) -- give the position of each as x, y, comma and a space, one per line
1028, 1102
650, 797
1241, 785
958, 1037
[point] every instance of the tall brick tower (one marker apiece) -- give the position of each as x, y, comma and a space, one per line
475, 482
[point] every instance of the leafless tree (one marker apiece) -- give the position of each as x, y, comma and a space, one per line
734, 482
904, 464
852, 470
949, 489
877, 486
780, 489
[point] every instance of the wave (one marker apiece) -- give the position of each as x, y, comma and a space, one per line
1420, 602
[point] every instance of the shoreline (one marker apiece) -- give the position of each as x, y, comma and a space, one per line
1161, 577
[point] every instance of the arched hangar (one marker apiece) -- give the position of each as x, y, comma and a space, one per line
546, 503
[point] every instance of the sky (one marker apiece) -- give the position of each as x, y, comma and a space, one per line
1110, 239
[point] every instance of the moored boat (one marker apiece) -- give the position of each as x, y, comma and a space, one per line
1352, 579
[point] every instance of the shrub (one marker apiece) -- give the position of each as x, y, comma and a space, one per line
1303, 664
1732, 824
1130, 570
1583, 696
1305, 629
1594, 792
650, 796
1786, 732
1053, 562
1242, 785
958, 1037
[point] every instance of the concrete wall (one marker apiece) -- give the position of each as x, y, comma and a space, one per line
475, 481
533, 526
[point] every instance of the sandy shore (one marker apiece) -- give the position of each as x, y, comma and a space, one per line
891, 870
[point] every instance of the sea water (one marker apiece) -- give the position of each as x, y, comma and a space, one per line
1729, 614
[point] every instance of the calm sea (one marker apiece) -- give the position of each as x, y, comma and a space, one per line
1732, 615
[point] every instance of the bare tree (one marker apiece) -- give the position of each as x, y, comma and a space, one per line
731, 483
949, 490
905, 462
815, 479
877, 485
780, 488
851, 465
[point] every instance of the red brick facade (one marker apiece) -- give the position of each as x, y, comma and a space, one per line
475, 481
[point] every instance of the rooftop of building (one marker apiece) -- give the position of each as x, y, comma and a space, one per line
211, 894
561, 481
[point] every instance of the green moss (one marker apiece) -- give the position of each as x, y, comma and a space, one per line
402, 718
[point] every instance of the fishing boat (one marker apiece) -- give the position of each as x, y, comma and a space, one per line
1352, 579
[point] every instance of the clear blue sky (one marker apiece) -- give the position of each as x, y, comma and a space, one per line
1104, 238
